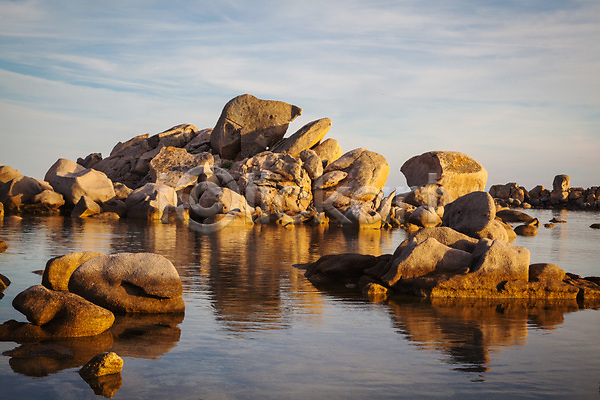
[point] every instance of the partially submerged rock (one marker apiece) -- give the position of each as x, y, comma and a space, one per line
55, 314
58, 270
102, 364
130, 282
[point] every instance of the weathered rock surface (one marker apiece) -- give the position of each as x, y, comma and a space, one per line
4, 281
102, 364
149, 201
85, 207
363, 217
55, 314
429, 195
340, 268
306, 137
130, 282
425, 216
360, 175
18, 192
312, 163
446, 236
275, 182
8, 173
426, 257
59, 269
470, 214
328, 151
73, 181
248, 126
171, 163
458, 173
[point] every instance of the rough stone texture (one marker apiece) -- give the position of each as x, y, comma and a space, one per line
59, 314
149, 201
425, 216
73, 181
500, 261
446, 236
385, 207
526, 230
429, 195
129, 162
102, 364
248, 126
329, 151
59, 269
171, 164
130, 282
428, 256
4, 281
470, 213
508, 215
494, 230
458, 173
366, 172
49, 200
275, 182
305, 138
545, 272
8, 173
561, 183
312, 163
85, 207
363, 217
18, 192
215, 200
200, 143
340, 268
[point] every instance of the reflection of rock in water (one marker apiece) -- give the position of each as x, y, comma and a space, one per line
145, 335
468, 330
52, 356
140, 336
105, 385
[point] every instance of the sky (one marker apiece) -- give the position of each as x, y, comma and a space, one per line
513, 84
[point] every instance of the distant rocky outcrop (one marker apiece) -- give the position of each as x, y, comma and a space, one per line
560, 196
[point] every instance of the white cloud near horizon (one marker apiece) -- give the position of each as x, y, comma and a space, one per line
515, 86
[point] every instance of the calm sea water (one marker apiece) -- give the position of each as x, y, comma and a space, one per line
254, 327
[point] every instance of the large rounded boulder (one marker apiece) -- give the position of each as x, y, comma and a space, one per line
130, 283
248, 126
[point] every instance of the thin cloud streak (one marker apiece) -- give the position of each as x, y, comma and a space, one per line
400, 78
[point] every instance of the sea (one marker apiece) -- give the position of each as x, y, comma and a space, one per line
256, 328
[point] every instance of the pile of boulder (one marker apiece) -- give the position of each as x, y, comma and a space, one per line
81, 292
560, 196
242, 170
469, 255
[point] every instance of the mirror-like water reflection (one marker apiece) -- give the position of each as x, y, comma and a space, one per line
255, 327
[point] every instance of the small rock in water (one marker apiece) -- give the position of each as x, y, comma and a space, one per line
558, 221
526, 230
3, 246
549, 225
102, 364
595, 226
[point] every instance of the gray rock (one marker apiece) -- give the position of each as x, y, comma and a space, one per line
150, 201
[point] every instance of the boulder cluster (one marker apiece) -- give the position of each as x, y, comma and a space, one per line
81, 292
469, 255
243, 170
560, 196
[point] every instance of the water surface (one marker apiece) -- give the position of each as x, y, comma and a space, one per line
254, 327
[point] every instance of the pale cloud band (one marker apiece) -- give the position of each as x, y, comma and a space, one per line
515, 86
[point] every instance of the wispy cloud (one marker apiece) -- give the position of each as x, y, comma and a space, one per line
409, 76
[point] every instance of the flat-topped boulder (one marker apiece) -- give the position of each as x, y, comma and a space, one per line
74, 181
248, 126
458, 173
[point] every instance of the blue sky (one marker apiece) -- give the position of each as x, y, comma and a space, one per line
514, 84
